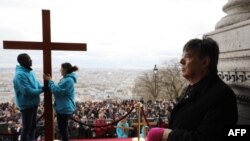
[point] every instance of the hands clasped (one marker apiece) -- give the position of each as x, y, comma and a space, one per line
47, 77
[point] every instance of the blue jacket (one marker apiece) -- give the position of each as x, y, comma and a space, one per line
64, 94
122, 133
27, 88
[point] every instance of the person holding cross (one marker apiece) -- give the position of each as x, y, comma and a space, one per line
27, 92
64, 94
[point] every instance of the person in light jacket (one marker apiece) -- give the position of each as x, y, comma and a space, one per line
122, 128
64, 94
27, 92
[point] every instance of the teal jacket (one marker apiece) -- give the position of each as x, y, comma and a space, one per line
27, 88
122, 133
64, 94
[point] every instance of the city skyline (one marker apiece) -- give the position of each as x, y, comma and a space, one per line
91, 84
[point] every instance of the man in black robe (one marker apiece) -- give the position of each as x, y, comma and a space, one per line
207, 105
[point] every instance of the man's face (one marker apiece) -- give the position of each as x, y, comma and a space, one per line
27, 62
191, 65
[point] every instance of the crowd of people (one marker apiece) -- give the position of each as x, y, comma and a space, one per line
9, 113
88, 112
27, 93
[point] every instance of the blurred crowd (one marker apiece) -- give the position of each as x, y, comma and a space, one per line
89, 112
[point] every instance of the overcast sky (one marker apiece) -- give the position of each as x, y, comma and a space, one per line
128, 34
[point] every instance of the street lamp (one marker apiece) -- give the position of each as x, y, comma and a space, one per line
155, 70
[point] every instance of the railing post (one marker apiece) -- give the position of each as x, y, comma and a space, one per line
139, 119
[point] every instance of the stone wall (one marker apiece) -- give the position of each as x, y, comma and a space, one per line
232, 33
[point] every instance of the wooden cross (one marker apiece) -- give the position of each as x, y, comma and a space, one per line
46, 46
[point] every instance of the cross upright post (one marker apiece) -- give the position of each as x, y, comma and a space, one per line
46, 46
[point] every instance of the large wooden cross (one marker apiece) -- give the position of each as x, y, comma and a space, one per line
46, 46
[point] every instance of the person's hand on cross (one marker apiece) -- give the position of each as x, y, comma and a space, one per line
47, 77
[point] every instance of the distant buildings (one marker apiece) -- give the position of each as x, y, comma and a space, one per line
92, 85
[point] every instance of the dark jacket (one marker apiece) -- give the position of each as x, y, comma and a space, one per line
205, 109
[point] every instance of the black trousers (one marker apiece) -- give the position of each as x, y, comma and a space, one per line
29, 124
62, 121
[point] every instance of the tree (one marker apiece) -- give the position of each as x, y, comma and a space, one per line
169, 82
144, 86
172, 82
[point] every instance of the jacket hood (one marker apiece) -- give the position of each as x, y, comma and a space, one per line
21, 69
72, 75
